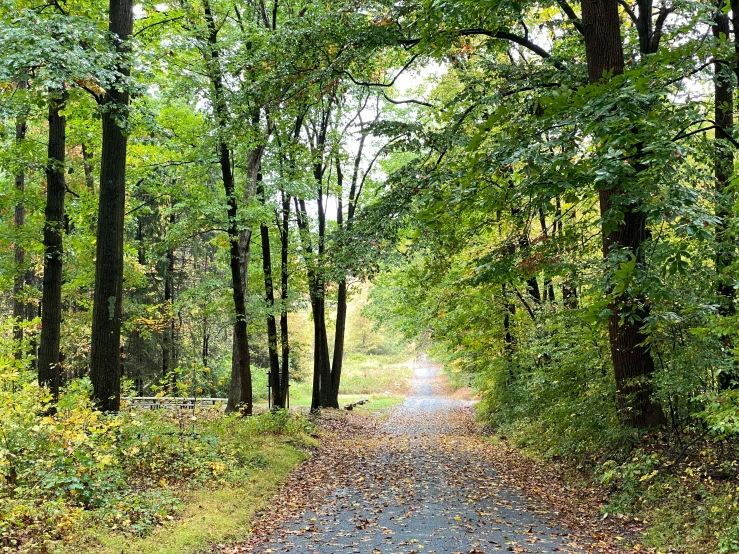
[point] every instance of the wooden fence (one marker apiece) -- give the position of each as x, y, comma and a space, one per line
172, 402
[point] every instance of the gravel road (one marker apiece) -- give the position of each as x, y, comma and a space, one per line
423, 487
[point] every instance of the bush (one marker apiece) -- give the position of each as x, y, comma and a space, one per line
123, 468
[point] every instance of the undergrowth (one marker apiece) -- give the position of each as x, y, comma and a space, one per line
554, 396
127, 472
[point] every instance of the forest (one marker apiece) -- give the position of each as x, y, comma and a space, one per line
193, 193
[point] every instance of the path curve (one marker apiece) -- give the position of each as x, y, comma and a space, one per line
421, 485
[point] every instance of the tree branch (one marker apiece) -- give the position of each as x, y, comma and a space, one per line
526, 305
570, 13
386, 85
658, 26
162, 22
727, 136
521, 41
505, 35
410, 101
629, 11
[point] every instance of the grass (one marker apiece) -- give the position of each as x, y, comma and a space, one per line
384, 380
377, 402
210, 515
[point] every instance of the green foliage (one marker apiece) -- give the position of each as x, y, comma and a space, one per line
126, 469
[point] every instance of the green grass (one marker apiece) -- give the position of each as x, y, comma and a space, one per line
380, 377
377, 402
211, 515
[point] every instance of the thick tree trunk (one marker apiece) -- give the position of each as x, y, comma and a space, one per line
49, 370
240, 392
632, 361
105, 367
724, 169
19, 306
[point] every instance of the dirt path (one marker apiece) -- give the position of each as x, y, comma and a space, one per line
419, 481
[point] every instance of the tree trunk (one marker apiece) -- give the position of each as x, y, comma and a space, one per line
317, 291
724, 169
548, 292
319, 318
632, 361
49, 370
240, 393
510, 312
87, 165
169, 328
340, 335
19, 306
321, 363
275, 380
340, 332
284, 280
105, 367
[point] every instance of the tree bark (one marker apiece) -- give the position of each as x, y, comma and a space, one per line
169, 329
316, 290
632, 360
240, 392
508, 341
105, 367
19, 306
319, 290
724, 204
548, 291
724, 168
284, 281
49, 370
340, 332
275, 378
87, 165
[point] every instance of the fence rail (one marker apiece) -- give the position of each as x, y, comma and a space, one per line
172, 402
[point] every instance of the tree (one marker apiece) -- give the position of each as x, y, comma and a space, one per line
51, 313
107, 314
724, 171
19, 216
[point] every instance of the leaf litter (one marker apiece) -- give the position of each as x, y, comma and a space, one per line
424, 481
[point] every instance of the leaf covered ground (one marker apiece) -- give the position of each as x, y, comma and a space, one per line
424, 480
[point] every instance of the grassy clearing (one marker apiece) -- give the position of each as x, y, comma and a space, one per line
384, 380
